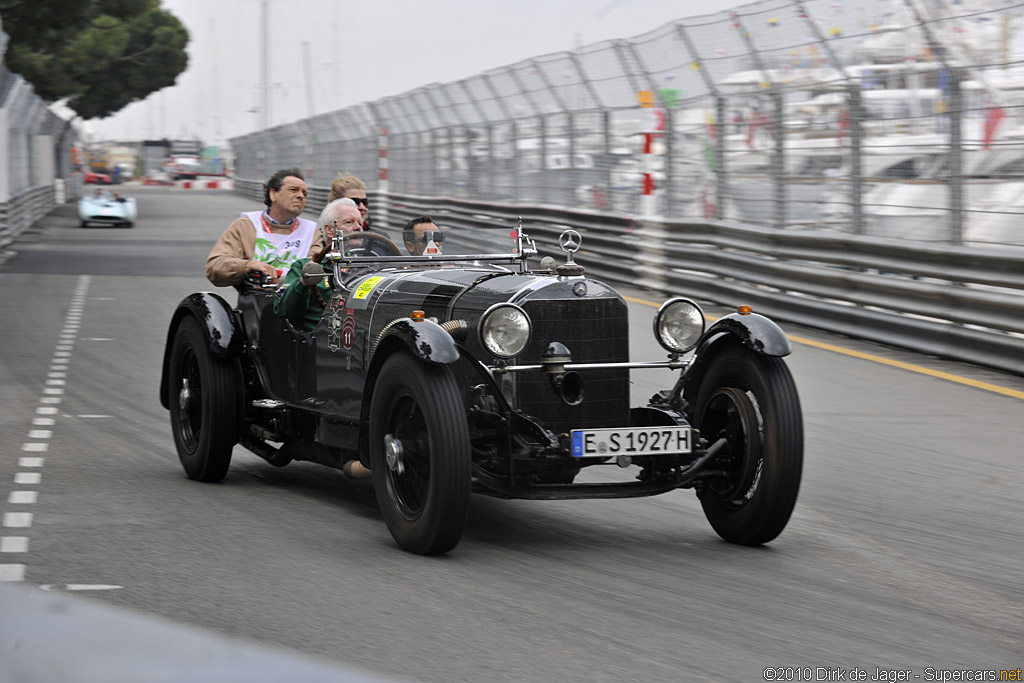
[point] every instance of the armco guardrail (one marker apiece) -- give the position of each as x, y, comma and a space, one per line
960, 302
24, 209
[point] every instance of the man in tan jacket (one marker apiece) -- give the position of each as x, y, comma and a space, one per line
268, 241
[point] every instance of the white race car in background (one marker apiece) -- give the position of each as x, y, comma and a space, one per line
108, 208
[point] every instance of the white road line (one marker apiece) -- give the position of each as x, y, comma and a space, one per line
12, 572
23, 497
52, 390
13, 544
17, 520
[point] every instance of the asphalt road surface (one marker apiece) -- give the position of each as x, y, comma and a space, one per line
904, 553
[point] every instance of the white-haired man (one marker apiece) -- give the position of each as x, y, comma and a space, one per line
303, 304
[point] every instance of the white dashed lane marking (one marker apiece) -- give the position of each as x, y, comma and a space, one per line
14, 544
53, 391
23, 497
12, 572
17, 520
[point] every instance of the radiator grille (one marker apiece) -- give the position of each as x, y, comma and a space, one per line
595, 331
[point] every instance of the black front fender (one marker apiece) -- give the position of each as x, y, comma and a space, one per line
756, 332
218, 322
426, 339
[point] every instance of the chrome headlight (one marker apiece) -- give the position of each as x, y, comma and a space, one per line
678, 325
504, 330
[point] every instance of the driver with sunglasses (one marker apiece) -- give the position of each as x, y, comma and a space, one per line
422, 237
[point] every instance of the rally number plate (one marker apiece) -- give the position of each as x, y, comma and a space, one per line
632, 441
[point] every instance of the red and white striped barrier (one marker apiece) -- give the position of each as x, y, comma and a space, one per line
382, 175
647, 201
205, 184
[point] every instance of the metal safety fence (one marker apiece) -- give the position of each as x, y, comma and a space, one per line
35, 149
890, 118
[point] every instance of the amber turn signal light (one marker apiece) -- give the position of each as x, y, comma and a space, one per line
418, 316
745, 309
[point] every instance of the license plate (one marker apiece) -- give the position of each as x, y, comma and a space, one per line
631, 441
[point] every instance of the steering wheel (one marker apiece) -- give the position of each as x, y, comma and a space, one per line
375, 239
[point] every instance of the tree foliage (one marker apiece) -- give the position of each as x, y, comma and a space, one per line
98, 55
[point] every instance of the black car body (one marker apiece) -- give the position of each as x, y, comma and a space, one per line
473, 372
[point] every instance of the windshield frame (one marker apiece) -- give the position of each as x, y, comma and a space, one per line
525, 247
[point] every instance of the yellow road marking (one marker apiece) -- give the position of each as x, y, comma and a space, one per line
985, 386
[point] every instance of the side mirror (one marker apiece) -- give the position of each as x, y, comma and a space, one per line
313, 273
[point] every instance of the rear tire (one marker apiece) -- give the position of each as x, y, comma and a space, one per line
205, 402
751, 400
418, 424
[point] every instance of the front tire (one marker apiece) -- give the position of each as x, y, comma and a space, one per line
751, 400
205, 402
420, 454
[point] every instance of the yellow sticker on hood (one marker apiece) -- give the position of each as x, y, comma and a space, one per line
367, 286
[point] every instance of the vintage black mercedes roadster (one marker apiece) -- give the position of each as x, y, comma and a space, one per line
471, 371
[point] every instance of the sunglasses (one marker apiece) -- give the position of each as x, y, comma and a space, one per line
425, 239
361, 200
